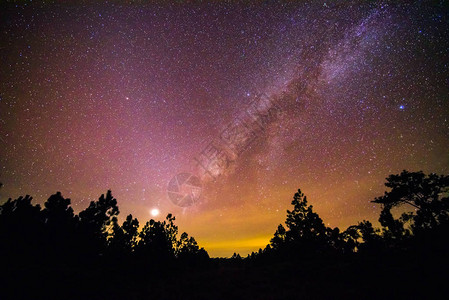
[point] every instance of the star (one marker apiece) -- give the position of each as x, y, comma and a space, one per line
125, 99
154, 212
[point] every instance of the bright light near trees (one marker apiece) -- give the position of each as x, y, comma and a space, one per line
154, 212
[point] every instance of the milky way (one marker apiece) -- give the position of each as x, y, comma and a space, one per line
327, 97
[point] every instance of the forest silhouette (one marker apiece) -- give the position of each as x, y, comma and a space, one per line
50, 252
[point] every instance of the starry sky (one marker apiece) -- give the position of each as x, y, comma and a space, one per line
125, 96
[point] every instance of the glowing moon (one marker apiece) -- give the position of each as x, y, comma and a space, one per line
154, 212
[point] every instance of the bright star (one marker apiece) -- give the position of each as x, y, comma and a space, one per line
154, 212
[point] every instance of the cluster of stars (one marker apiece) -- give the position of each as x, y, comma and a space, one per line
123, 97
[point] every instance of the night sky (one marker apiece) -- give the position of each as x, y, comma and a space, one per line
126, 96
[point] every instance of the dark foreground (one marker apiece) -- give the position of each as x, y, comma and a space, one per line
399, 276
52, 253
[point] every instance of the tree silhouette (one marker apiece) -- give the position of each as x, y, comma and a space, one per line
94, 223
94, 245
361, 237
186, 245
60, 225
21, 228
130, 228
156, 242
171, 229
393, 229
53, 250
189, 252
58, 215
278, 241
123, 239
117, 239
306, 231
425, 193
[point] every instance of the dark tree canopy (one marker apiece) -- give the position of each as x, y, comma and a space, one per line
93, 243
305, 232
123, 239
21, 227
100, 214
426, 194
56, 234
